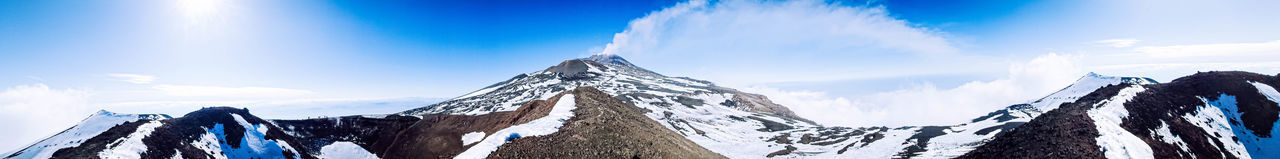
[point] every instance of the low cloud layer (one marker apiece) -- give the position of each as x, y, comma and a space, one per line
237, 92
926, 104
31, 112
1264, 49
1118, 43
133, 78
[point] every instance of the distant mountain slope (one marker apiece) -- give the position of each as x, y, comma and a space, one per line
96, 124
932, 141
1205, 115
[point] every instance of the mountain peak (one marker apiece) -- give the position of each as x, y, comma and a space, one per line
608, 59
1092, 74
1129, 80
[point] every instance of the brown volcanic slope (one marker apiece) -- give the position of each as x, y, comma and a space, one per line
604, 127
439, 135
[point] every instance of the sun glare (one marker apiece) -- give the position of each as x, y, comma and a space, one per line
200, 11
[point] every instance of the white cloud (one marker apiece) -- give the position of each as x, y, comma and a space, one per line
31, 112
926, 104
240, 92
1117, 43
822, 108
750, 23
133, 78
1269, 49
782, 41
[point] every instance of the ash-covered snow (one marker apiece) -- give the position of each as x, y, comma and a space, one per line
472, 137
176, 155
561, 112
88, 128
208, 142
1165, 135
1213, 119
252, 145
130, 146
1116, 142
1258, 147
345, 150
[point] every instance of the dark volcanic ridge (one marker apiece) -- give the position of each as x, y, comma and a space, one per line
1205, 115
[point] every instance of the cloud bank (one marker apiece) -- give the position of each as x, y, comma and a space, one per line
746, 23
1117, 43
1264, 49
239, 92
133, 78
926, 104
32, 112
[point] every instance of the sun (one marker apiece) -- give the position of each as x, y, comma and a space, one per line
196, 12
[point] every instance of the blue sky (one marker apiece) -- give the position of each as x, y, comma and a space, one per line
401, 45
852, 63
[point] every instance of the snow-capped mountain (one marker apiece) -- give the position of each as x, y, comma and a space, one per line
722, 119
932, 141
82, 132
743, 125
605, 107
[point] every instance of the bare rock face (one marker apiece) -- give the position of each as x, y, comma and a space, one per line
577, 68
437, 135
760, 103
605, 127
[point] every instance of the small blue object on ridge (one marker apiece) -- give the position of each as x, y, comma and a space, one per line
513, 136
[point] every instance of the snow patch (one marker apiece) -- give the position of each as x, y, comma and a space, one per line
130, 146
1267, 90
1116, 142
252, 145
472, 137
345, 150
176, 154
1212, 119
1163, 133
1258, 147
1080, 88
482, 91
551, 123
